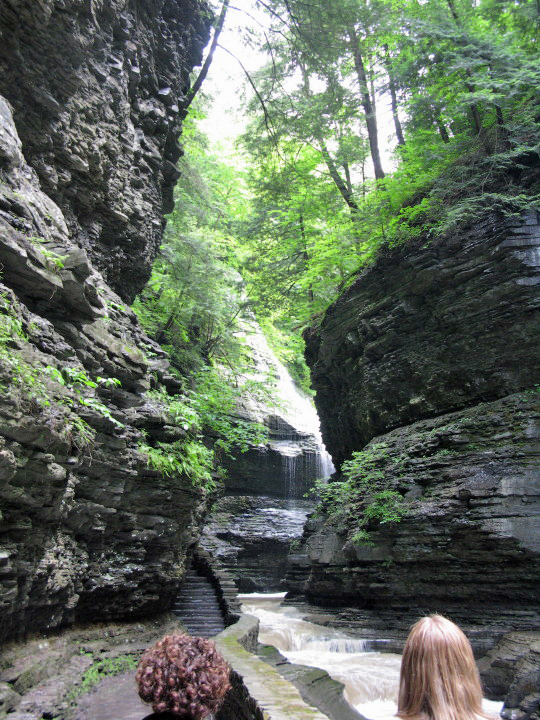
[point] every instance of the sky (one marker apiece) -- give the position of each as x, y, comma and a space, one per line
226, 79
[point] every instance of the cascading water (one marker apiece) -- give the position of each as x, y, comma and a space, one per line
295, 419
371, 679
264, 508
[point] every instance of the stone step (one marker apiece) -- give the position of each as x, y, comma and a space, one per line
198, 607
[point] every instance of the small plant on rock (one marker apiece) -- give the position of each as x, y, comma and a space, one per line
363, 490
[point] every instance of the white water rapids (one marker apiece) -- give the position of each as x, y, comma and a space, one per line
371, 679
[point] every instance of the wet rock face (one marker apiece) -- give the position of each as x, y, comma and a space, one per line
514, 666
88, 530
470, 539
422, 331
286, 466
251, 537
432, 355
97, 91
428, 330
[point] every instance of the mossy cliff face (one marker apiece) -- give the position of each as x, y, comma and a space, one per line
432, 355
88, 138
430, 363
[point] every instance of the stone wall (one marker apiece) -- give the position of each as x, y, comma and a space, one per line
452, 325
251, 536
259, 692
429, 329
88, 530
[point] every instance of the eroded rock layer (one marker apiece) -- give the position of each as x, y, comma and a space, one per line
470, 537
251, 536
88, 531
429, 330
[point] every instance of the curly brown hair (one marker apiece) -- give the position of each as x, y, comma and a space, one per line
183, 675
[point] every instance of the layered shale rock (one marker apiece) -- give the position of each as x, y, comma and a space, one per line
88, 530
470, 537
429, 330
431, 359
251, 536
97, 91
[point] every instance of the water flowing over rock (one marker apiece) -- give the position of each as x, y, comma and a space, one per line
432, 354
87, 166
264, 509
295, 456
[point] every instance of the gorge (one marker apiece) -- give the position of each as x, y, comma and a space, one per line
422, 352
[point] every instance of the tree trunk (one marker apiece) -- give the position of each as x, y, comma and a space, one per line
443, 132
369, 108
311, 296
208, 61
347, 176
344, 190
393, 97
475, 112
168, 325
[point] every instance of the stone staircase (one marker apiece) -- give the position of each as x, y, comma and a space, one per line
198, 607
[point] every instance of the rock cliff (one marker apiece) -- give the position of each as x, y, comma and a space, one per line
428, 330
88, 142
97, 87
430, 360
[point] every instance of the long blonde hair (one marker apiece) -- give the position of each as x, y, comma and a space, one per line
439, 679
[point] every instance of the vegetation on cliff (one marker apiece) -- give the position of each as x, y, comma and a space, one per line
317, 196
462, 82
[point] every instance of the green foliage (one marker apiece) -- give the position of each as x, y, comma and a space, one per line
215, 400
77, 380
190, 458
10, 322
79, 432
42, 384
194, 298
101, 669
362, 494
208, 407
21, 374
465, 81
52, 259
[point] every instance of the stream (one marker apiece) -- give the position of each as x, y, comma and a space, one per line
371, 679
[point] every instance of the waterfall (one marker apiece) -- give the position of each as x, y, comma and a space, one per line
294, 425
263, 511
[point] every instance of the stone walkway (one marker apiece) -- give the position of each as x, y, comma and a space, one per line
115, 698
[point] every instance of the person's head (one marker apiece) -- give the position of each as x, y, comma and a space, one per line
439, 679
183, 675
